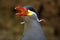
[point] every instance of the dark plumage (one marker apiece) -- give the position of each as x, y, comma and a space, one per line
30, 8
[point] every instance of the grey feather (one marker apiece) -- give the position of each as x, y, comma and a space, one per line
32, 28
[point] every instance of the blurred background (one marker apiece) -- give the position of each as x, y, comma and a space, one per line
10, 27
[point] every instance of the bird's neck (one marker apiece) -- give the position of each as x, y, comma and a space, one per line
31, 23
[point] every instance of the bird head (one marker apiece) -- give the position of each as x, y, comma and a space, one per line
22, 11
28, 13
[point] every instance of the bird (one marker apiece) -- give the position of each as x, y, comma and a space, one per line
32, 28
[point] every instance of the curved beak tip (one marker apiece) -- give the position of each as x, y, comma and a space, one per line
17, 14
15, 8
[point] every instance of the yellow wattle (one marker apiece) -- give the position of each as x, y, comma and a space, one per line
29, 13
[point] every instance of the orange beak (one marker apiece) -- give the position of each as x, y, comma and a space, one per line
21, 11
